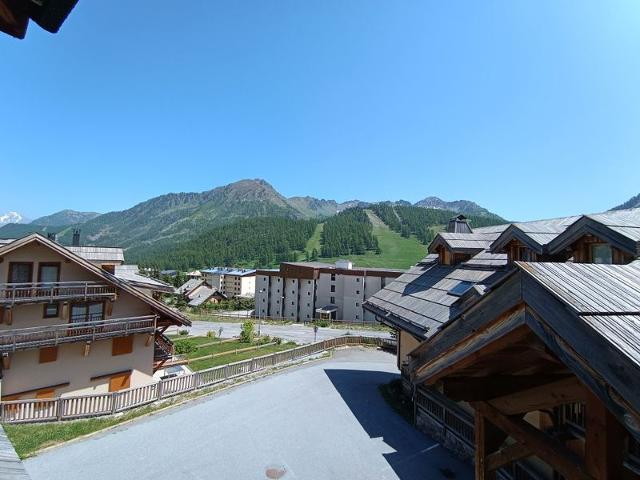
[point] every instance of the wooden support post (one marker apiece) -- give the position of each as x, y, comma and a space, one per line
9, 316
604, 441
506, 455
149, 339
482, 472
6, 361
87, 349
1, 315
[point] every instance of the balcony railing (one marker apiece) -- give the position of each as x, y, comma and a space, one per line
16, 293
46, 336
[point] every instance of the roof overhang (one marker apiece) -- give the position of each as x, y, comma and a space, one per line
396, 322
523, 302
589, 226
49, 14
440, 241
513, 232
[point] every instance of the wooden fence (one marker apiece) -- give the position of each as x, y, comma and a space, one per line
84, 406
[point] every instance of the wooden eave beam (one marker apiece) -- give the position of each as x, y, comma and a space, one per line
546, 448
506, 455
502, 333
560, 392
485, 388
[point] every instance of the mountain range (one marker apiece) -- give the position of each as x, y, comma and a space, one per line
177, 215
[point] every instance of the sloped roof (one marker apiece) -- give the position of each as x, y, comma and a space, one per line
241, 272
464, 242
120, 283
131, 274
419, 300
203, 295
98, 254
189, 285
536, 235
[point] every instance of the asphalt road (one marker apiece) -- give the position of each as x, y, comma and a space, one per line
296, 332
321, 421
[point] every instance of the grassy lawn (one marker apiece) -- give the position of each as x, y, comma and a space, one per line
397, 251
221, 347
27, 439
236, 357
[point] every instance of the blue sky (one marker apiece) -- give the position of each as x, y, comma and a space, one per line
531, 109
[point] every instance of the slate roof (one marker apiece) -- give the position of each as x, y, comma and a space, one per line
189, 285
419, 300
204, 294
605, 297
464, 242
131, 274
536, 234
98, 254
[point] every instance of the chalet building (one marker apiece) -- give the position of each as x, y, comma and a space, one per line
231, 282
69, 326
519, 345
198, 292
302, 291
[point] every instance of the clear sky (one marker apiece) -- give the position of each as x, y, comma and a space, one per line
530, 108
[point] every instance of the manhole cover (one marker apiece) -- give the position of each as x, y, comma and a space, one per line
274, 472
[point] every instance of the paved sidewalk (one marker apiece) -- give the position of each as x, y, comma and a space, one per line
320, 421
11, 468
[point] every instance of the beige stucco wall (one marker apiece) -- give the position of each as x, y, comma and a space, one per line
406, 343
26, 373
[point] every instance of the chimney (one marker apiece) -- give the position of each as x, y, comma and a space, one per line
459, 224
76, 238
53, 236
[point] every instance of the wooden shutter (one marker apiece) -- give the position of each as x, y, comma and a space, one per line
119, 381
122, 345
48, 354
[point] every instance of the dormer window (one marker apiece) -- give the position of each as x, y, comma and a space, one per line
461, 288
601, 253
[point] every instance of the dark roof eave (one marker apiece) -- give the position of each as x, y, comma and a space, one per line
395, 321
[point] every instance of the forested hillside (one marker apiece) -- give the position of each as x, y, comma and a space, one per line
349, 232
252, 242
425, 222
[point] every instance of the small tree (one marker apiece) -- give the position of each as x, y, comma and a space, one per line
247, 332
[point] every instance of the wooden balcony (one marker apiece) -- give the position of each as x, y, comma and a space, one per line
23, 293
48, 336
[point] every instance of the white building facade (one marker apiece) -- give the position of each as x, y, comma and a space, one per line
302, 291
232, 282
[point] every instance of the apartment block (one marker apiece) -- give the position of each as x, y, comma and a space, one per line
302, 291
231, 282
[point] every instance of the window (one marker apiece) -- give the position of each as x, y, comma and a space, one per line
87, 312
51, 310
357, 304
357, 280
48, 354
357, 292
20, 272
293, 303
122, 345
333, 277
263, 299
277, 302
461, 288
332, 300
308, 282
293, 292
601, 253
308, 294
308, 304
333, 288
278, 291
48, 272
357, 317
278, 279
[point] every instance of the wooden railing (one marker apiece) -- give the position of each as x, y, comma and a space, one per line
12, 293
68, 408
44, 336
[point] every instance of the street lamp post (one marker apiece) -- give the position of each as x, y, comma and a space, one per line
262, 290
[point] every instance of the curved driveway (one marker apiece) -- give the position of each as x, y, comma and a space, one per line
321, 421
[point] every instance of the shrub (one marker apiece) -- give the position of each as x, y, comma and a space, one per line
185, 346
247, 332
184, 331
323, 323
211, 334
278, 340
